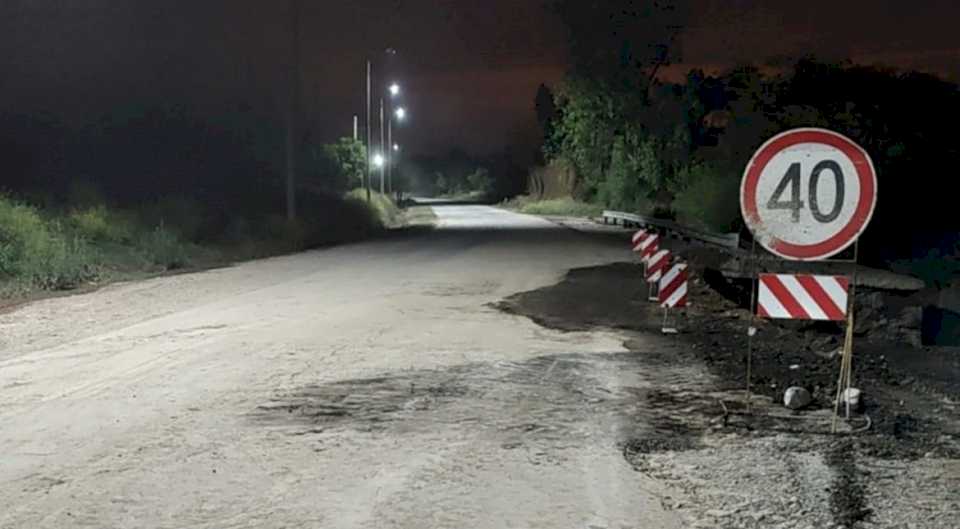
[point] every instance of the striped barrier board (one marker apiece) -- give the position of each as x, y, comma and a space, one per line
803, 297
649, 246
637, 238
673, 286
656, 263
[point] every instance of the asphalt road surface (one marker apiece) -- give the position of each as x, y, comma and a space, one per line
366, 385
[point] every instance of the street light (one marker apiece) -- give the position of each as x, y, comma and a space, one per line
377, 160
396, 147
394, 90
401, 113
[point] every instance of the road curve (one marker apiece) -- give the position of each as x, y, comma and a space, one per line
366, 385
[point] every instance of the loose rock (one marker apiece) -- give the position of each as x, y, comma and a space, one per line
796, 398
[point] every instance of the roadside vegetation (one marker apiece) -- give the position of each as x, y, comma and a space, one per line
560, 207
677, 148
457, 175
69, 234
69, 247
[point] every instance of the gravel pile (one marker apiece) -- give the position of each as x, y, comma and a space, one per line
737, 482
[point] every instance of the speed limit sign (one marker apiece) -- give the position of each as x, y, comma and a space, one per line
807, 194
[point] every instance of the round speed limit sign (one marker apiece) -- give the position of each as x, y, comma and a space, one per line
807, 194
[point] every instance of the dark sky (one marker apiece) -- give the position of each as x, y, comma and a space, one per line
470, 68
908, 34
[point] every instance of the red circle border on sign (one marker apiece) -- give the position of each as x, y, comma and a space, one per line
861, 217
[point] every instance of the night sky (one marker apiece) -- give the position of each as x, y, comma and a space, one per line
470, 69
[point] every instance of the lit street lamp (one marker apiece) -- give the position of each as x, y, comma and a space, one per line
377, 160
400, 113
394, 90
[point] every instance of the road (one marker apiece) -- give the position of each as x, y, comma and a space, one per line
365, 385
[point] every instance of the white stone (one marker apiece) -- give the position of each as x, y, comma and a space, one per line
796, 397
851, 397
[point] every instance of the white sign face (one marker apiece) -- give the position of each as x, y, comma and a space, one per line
807, 194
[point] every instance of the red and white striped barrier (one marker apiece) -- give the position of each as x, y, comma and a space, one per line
648, 246
656, 263
637, 238
673, 287
803, 297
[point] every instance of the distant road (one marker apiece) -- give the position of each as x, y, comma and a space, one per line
366, 385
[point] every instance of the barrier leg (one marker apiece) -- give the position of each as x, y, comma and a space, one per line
667, 329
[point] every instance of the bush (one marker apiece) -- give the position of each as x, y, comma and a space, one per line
381, 210
286, 235
441, 185
162, 247
634, 174
39, 253
480, 181
100, 224
566, 206
69, 262
707, 198
184, 216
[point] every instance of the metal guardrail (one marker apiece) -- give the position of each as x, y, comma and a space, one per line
739, 266
726, 240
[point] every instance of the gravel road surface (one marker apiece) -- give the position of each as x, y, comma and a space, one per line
366, 385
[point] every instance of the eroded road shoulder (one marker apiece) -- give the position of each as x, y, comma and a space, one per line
772, 468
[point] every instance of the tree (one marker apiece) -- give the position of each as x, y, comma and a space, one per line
623, 40
480, 181
547, 116
345, 162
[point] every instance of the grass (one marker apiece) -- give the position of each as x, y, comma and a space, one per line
558, 207
49, 250
99, 224
36, 252
385, 213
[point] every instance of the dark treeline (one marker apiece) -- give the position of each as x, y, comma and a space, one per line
230, 165
679, 149
456, 172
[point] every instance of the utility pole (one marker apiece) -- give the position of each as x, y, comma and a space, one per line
390, 156
293, 109
369, 134
356, 125
382, 167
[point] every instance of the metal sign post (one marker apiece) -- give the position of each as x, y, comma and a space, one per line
751, 328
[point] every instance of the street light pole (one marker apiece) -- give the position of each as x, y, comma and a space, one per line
390, 155
381, 146
369, 134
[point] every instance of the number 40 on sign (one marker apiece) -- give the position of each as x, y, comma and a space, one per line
807, 194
